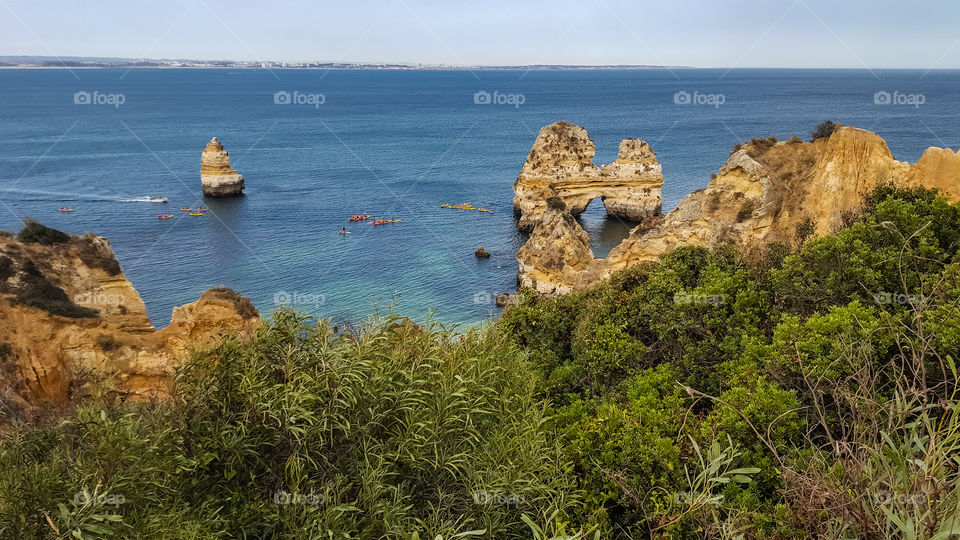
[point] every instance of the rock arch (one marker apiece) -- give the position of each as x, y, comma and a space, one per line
561, 164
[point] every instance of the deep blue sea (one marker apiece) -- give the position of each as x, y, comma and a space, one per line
396, 144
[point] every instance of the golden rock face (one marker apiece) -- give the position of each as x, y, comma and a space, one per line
561, 164
760, 195
217, 178
91, 321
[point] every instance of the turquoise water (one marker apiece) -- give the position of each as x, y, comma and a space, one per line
396, 144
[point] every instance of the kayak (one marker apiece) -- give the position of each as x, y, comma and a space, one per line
185, 209
66, 209
167, 216
385, 221
202, 209
360, 218
196, 213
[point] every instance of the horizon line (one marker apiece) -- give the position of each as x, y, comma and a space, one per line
33, 60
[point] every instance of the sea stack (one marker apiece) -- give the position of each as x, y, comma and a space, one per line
216, 176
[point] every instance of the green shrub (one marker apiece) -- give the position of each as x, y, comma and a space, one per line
37, 291
398, 429
795, 358
824, 130
35, 233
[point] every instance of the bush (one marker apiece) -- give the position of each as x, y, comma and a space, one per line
824, 130
811, 362
37, 291
35, 233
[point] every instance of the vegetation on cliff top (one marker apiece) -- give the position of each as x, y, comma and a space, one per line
808, 393
831, 368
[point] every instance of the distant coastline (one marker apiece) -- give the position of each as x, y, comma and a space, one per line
81, 62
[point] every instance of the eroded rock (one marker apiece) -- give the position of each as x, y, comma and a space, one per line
217, 178
558, 251
561, 164
68, 311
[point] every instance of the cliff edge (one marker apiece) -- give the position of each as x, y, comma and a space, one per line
68, 312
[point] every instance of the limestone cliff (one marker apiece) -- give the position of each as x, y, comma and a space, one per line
217, 178
556, 254
68, 313
763, 193
561, 164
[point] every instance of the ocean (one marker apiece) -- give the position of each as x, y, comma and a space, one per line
318, 146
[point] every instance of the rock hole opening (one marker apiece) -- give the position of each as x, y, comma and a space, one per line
605, 232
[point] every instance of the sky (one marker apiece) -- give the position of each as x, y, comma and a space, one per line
705, 33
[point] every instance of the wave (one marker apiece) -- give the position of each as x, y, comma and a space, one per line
40, 195
135, 199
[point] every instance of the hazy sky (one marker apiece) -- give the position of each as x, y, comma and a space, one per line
722, 33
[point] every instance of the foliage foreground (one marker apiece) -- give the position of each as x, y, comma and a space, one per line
804, 391
394, 431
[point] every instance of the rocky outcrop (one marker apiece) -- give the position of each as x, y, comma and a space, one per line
765, 192
68, 315
217, 178
561, 164
557, 253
